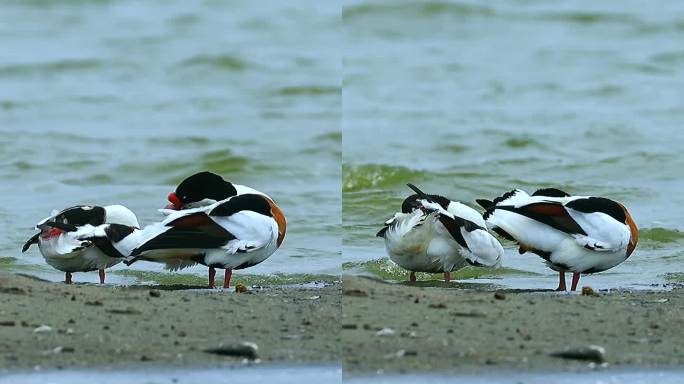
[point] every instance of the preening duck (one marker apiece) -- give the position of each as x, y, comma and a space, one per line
436, 235
84, 238
231, 227
578, 234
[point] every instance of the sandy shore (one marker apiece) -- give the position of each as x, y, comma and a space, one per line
401, 328
108, 326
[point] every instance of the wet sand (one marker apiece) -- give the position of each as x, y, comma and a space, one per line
396, 328
110, 326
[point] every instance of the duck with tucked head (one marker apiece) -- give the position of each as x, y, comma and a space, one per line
84, 238
578, 234
213, 222
436, 235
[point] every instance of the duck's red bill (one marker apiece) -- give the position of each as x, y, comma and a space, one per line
51, 233
175, 202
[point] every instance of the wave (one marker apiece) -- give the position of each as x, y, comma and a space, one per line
167, 278
53, 67
656, 238
385, 269
370, 176
417, 9
308, 90
221, 62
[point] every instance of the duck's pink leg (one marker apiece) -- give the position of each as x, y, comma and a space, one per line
561, 282
212, 275
102, 275
226, 278
575, 280
447, 278
67, 278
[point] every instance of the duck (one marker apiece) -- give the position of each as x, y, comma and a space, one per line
84, 238
437, 235
578, 234
203, 189
213, 222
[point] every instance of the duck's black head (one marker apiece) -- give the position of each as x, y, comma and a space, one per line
200, 186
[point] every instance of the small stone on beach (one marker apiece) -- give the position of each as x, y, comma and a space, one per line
588, 291
355, 293
385, 332
499, 296
594, 353
245, 349
125, 311
43, 329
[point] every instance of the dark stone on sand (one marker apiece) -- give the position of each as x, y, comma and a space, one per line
355, 293
8, 323
437, 306
125, 311
155, 293
500, 296
95, 303
593, 353
244, 349
12, 290
350, 326
468, 314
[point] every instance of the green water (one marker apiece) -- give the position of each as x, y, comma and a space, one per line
106, 102
471, 99
116, 101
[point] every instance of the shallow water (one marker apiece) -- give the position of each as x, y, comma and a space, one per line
106, 102
471, 99
597, 377
155, 375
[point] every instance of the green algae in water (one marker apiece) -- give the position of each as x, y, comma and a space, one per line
675, 277
656, 238
368, 176
4, 261
310, 90
169, 278
221, 62
12, 264
223, 162
387, 270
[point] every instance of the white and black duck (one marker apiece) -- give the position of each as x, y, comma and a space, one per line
578, 234
437, 235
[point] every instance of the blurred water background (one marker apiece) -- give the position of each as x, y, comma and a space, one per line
105, 102
470, 99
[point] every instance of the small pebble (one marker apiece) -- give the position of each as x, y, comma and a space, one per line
43, 329
588, 291
593, 353
385, 332
245, 349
